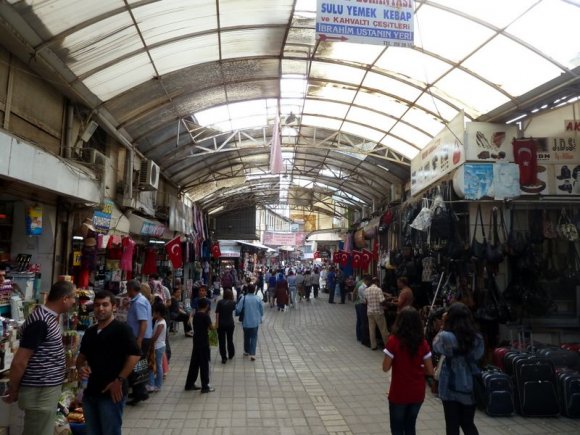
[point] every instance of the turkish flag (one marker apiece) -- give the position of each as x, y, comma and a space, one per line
175, 253
216, 251
344, 258
366, 258
356, 259
336, 257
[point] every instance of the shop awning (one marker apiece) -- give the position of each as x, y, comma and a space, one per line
324, 236
256, 245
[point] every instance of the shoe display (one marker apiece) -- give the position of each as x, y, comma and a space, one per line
564, 173
207, 390
566, 187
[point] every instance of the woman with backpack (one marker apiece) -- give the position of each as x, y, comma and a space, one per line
462, 346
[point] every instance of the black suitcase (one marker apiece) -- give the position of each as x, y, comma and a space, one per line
562, 358
496, 395
569, 389
536, 387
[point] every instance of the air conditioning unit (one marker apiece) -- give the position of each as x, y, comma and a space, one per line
93, 157
148, 175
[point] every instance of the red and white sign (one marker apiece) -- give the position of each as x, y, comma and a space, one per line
279, 239
173, 249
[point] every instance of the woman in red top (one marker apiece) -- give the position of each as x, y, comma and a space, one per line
408, 353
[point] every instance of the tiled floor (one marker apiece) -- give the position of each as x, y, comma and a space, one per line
310, 377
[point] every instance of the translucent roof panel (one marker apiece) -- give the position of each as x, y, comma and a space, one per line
391, 86
446, 34
241, 65
335, 72
488, 10
505, 70
412, 64
185, 53
331, 109
116, 36
251, 42
254, 12
561, 41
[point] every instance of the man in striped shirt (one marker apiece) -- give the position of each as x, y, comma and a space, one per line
38, 369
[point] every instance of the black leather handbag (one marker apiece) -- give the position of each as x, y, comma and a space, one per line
479, 249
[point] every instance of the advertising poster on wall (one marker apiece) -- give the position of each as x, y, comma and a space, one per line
34, 221
489, 142
567, 179
478, 179
444, 153
506, 180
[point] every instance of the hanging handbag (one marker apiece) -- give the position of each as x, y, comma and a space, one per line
494, 251
566, 228
423, 220
536, 225
517, 244
478, 249
549, 228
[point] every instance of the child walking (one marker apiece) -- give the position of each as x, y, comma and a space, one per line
159, 334
200, 355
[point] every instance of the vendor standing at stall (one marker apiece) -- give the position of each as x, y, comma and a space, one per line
7, 285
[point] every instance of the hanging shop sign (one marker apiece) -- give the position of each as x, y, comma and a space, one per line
34, 221
102, 217
152, 229
444, 153
279, 239
386, 22
487, 142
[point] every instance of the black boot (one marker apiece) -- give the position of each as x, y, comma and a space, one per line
564, 173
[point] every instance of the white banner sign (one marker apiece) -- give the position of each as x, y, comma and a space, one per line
279, 239
444, 153
490, 142
380, 22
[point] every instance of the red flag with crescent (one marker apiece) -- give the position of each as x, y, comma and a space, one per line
366, 258
344, 258
336, 257
356, 259
216, 251
173, 249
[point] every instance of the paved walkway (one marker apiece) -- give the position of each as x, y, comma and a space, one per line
311, 376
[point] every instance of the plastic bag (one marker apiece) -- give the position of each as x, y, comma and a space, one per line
423, 220
213, 337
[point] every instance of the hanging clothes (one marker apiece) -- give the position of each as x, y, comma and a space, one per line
128, 246
150, 265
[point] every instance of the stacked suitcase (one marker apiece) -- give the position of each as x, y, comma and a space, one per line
543, 381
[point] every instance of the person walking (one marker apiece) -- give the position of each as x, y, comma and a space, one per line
282, 292
375, 312
37, 371
200, 354
315, 282
158, 341
292, 288
107, 355
139, 318
408, 355
462, 345
331, 284
224, 320
307, 285
300, 285
253, 312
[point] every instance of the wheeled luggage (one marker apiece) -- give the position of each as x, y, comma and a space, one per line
569, 389
562, 358
498, 356
494, 393
536, 386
